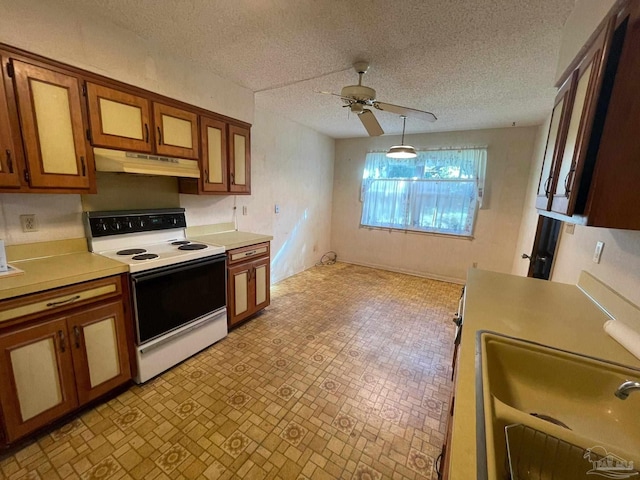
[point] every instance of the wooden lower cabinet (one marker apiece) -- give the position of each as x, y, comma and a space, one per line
49, 369
99, 347
248, 283
36, 369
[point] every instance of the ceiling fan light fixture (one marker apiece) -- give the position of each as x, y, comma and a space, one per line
402, 151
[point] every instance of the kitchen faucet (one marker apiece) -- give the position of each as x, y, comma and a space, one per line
623, 390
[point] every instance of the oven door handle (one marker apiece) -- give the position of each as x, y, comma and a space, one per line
181, 267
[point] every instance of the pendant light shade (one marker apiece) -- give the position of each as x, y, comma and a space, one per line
402, 151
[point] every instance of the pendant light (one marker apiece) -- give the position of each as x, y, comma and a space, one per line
402, 151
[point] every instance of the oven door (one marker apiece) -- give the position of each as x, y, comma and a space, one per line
168, 298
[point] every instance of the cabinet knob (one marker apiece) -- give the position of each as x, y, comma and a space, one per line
9, 161
63, 344
546, 187
76, 333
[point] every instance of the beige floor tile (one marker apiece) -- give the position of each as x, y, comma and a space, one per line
346, 375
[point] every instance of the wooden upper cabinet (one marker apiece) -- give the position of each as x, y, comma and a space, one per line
176, 131
123, 121
52, 128
214, 166
9, 168
580, 119
555, 143
118, 119
239, 160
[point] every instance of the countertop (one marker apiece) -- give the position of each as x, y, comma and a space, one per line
554, 314
48, 265
229, 240
56, 264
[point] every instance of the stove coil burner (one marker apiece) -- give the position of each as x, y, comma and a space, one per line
131, 251
180, 242
145, 256
192, 246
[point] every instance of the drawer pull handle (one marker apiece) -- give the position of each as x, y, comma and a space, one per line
438, 465
63, 346
146, 133
159, 136
206, 176
252, 252
63, 302
76, 333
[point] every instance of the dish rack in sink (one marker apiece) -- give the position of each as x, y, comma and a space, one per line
535, 455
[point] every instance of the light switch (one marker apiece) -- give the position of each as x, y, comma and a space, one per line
598, 252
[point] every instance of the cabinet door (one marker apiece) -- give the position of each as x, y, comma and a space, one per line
100, 355
176, 131
9, 176
239, 159
261, 279
572, 158
52, 127
239, 294
555, 143
118, 120
214, 155
37, 377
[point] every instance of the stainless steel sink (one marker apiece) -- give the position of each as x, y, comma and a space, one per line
563, 394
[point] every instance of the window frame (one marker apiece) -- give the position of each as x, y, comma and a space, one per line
477, 180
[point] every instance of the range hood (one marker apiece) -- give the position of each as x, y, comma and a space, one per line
145, 164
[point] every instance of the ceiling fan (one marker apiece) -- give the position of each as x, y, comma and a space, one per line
357, 97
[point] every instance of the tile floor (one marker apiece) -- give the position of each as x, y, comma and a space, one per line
346, 375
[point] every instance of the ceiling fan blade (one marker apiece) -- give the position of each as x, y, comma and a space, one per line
346, 99
370, 122
409, 112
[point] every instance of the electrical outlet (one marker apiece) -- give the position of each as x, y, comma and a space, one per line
244, 210
570, 228
598, 252
29, 223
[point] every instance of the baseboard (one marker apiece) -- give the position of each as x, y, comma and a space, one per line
415, 273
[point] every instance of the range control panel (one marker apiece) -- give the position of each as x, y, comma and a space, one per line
102, 224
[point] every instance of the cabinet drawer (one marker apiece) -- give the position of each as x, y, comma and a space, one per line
59, 299
246, 253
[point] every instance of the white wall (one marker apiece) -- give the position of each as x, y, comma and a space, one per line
619, 266
508, 163
291, 164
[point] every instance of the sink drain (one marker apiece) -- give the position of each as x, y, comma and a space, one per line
549, 419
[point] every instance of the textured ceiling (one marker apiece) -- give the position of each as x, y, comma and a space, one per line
474, 63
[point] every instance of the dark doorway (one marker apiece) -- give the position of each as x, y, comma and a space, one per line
544, 247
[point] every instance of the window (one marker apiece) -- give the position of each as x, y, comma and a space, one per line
438, 191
